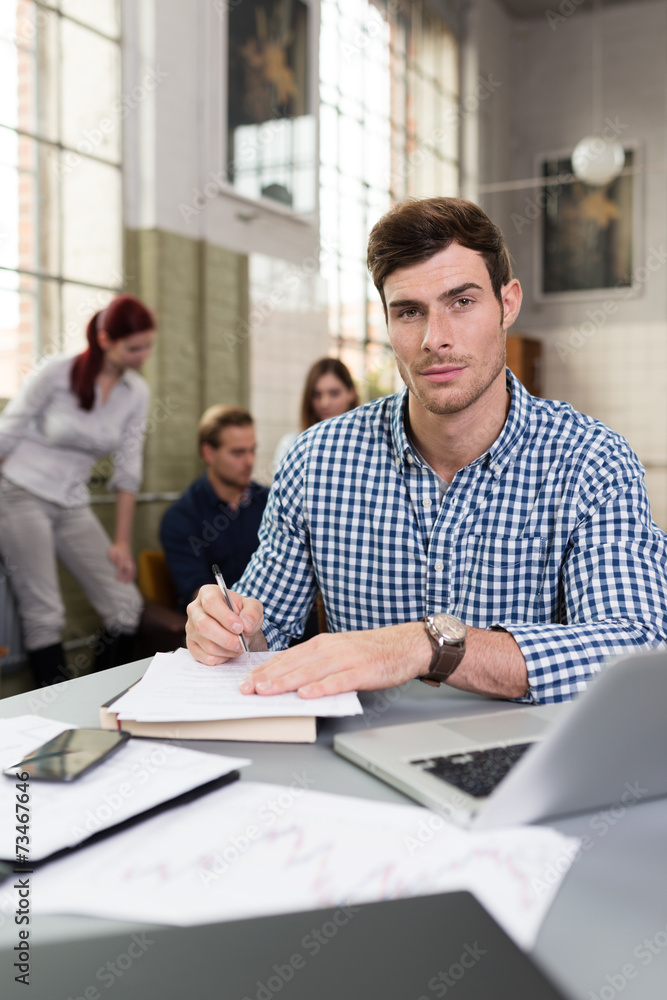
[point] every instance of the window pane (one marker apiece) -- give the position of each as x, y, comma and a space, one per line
92, 217
29, 326
79, 303
328, 135
8, 84
90, 85
53, 70
271, 135
10, 336
100, 14
28, 222
381, 139
28, 99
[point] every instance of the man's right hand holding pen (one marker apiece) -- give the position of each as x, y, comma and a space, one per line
213, 630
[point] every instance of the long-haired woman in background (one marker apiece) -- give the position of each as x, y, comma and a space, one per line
328, 391
67, 415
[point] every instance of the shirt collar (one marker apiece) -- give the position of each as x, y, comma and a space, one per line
509, 441
216, 500
501, 452
403, 450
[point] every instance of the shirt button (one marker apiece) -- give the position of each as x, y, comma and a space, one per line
426, 502
438, 567
496, 468
409, 459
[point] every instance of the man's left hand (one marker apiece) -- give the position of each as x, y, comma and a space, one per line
345, 661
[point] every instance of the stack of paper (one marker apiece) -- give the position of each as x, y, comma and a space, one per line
178, 691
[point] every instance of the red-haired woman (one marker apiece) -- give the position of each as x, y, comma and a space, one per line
68, 414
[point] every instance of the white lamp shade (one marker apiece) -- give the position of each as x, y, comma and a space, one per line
596, 161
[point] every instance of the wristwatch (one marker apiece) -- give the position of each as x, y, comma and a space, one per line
448, 638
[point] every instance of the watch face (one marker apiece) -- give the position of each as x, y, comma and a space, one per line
448, 628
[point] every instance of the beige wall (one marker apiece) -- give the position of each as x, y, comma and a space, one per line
606, 355
288, 313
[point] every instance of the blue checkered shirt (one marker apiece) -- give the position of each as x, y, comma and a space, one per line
547, 535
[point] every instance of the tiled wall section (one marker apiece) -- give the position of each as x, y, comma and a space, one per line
617, 374
288, 322
604, 354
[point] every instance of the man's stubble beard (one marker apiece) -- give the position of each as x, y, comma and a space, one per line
455, 399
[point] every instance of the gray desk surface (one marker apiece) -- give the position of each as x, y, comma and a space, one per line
606, 933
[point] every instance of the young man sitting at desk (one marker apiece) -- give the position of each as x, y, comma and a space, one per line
522, 520
218, 517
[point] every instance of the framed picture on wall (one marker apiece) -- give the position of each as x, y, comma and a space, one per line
271, 131
587, 233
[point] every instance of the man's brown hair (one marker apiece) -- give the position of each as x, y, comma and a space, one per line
214, 420
418, 229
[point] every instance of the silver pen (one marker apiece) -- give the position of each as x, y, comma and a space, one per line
220, 580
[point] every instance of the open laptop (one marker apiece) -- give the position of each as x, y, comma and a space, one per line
527, 764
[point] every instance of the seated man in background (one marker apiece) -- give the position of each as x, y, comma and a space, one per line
218, 517
462, 530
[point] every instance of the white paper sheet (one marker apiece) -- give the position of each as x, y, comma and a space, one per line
137, 777
178, 688
257, 849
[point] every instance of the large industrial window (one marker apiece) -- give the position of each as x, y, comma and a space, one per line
388, 129
61, 113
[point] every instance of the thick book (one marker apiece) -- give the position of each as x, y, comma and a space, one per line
274, 729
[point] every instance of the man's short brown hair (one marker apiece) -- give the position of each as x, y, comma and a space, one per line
214, 420
418, 229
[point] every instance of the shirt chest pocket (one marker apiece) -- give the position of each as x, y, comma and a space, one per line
502, 579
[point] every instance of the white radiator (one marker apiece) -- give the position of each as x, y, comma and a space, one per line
10, 626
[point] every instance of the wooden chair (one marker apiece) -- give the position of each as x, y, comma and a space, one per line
162, 626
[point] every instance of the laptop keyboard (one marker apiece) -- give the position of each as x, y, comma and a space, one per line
476, 772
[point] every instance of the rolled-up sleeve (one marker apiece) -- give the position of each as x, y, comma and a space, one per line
613, 597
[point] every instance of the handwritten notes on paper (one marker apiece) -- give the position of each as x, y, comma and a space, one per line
177, 687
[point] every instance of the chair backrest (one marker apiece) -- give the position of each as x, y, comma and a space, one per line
154, 579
